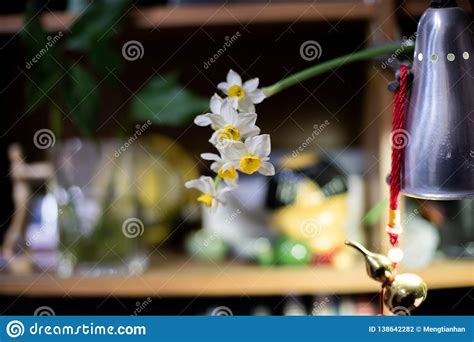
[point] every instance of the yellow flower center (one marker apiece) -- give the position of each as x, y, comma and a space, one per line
249, 163
229, 132
236, 91
230, 173
206, 199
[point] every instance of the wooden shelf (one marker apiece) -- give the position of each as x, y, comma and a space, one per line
415, 8
179, 277
213, 15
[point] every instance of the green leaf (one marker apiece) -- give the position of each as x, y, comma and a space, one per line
40, 86
163, 101
100, 21
32, 34
106, 61
82, 99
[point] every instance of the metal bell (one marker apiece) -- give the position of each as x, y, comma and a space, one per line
378, 266
439, 142
405, 293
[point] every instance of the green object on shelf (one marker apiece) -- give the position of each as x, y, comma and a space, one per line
292, 252
207, 245
265, 252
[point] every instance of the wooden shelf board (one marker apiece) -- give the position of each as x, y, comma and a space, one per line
213, 15
415, 8
181, 278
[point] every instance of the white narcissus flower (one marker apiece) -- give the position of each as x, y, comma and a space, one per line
229, 125
211, 195
250, 156
215, 105
228, 172
242, 96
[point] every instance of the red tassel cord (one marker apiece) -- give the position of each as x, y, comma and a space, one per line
399, 140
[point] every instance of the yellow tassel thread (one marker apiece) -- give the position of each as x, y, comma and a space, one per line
394, 218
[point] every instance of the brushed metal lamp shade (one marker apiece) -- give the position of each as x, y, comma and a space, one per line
439, 156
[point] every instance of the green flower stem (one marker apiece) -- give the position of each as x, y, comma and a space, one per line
336, 63
217, 181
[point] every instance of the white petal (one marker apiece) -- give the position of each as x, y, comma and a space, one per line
234, 101
250, 132
214, 205
223, 189
257, 96
233, 78
240, 121
245, 105
223, 86
250, 85
233, 150
259, 145
228, 165
228, 112
246, 120
231, 182
209, 183
219, 143
216, 166
202, 120
210, 156
204, 184
267, 169
217, 120
216, 102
